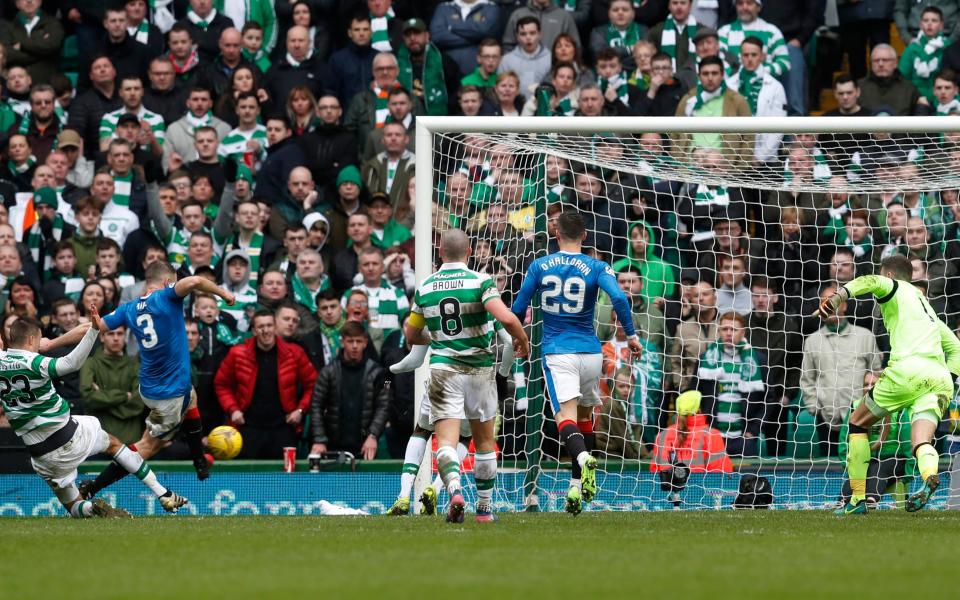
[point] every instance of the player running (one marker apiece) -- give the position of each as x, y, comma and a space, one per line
924, 362
568, 282
156, 319
58, 442
454, 304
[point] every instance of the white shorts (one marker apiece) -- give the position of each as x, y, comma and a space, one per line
59, 467
458, 395
165, 415
423, 419
572, 376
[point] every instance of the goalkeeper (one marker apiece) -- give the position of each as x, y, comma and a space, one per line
924, 362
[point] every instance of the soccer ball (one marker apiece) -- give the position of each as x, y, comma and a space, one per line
224, 442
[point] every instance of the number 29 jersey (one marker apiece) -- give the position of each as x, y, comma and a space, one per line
157, 322
568, 285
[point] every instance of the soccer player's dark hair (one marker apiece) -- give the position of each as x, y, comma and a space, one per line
23, 328
352, 329
158, 271
898, 265
570, 225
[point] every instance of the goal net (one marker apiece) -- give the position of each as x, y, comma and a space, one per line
724, 256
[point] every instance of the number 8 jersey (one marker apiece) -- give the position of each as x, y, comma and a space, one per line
568, 285
451, 305
156, 320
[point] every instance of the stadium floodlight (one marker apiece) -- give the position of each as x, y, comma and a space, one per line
707, 196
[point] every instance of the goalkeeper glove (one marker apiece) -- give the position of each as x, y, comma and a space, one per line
828, 307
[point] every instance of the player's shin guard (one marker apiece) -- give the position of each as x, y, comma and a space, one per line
573, 440
412, 457
449, 467
192, 429
133, 463
858, 457
927, 460
485, 472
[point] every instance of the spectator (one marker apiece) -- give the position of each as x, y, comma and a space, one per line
945, 93
621, 32
425, 72
287, 317
776, 336
246, 144
64, 280
663, 91
389, 171
658, 276
369, 109
614, 82
128, 56
283, 156
617, 433
693, 335
351, 67
886, 86
32, 40
346, 203
908, 17
387, 305
259, 248
691, 441
301, 109
164, 96
141, 29
253, 50
179, 146
184, 55
798, 21
469, 99
749, 23
489, 55
732, 293
764, 96
507, 100
863, 25
387, 232
43, 123
346, 262
21, 163
566, 50
560, 98
152, 127
330, 146
605, 218
836, 358
110, 385
344, 420
458, 27
18, 86
264, 385
730, 379
712, 97
299, 67
923, 57
674, 37
554, 20
399, 105
85, 240
218, 73
940, 272
309, 281
205, 25
529, 60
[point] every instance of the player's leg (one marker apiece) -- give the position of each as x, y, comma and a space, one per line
590, 368
923, 426
134, 464
446, 410
563, 387
858, 454
480, 406
431, 493
192, 430
412, 459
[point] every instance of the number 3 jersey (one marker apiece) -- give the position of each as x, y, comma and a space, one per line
157, 322
450, 303
568, 285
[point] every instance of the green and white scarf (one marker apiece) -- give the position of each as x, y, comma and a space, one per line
296, 63
434, 85
35, 243
258, 58
29, 24
196, 123
750, 84
380, 26
21, 169
619, 83
949, 108
554, 192
623, 39
141, 32
864, 248
926, 61
670, 34
696, 102
640, 79
253, 250
27, 120
380, 104
331, 338
122, 185
304, 296
567, 5
201, 23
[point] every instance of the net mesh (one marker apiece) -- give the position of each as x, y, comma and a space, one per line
697, 228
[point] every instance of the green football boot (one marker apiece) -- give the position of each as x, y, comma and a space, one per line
918, 500
589, 479
400, 508
428, 501
860, 508
574, 501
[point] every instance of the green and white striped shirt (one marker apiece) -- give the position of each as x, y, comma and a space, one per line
736, 374
733, 34
387, 305
452, 303
234, 145
108, 124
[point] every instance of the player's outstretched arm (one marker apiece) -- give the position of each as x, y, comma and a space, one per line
500, 312
506, 360
68, 339
878, 285
413, 330
412, 360
73, 361
202, 285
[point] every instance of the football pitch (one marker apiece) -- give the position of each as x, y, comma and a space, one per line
744, 554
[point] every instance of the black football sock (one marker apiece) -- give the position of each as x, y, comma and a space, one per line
573, 440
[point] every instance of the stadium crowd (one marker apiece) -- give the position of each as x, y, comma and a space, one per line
269, 146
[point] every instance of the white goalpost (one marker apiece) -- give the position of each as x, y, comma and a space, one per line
696, 228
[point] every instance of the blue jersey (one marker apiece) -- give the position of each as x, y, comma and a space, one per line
157, 322
568, 285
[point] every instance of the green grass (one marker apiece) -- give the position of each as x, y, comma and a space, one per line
596, 555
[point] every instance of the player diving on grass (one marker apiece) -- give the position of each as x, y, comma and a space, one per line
156, 320
924, 362
568, 283
454, 305
422, 430
57, 441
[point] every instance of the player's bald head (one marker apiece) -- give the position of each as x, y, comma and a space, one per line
454, 244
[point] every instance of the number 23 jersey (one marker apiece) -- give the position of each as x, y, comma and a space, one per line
157, 322
567, 284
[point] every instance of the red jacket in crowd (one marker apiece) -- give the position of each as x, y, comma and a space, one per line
703, 450
237, 377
